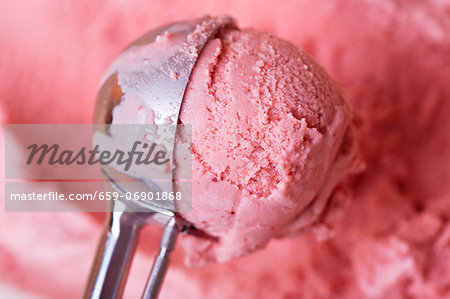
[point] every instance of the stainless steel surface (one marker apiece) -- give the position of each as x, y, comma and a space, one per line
162, 86
118, 243
161, 262
114, 255
123, 184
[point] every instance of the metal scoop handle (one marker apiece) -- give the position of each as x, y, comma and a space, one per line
118, 245
161, 262
116, 250
114, 254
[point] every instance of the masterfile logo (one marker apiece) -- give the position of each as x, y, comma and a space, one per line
145, 163
53, 155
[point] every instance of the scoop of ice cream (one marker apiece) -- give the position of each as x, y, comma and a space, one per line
390, 57
271, 139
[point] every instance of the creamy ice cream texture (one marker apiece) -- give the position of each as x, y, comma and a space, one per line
390, 58
272, 137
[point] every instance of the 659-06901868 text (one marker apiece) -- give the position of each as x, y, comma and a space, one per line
97, 195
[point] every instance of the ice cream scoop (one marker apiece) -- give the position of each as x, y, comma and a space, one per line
171, 53
272, 139
272, 135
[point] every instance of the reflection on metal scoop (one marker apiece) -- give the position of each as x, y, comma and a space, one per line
162, 85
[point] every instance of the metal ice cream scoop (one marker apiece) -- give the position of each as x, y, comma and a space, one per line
157, 86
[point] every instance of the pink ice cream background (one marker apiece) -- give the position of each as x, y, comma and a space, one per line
391, 60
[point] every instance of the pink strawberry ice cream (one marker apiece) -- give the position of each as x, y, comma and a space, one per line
390, 58
271, 138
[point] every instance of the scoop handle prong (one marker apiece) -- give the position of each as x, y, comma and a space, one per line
161, 262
